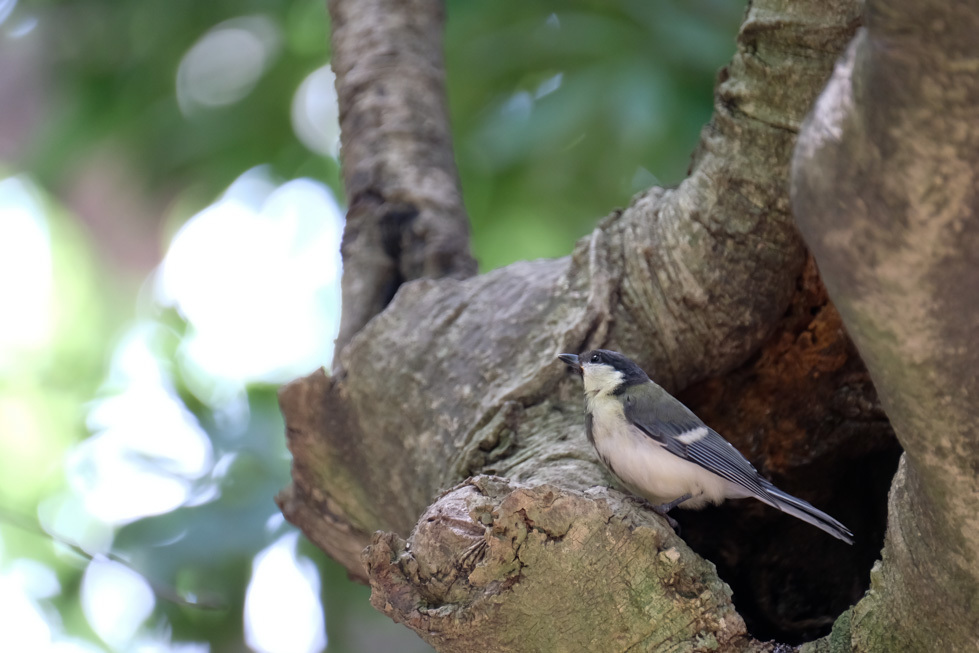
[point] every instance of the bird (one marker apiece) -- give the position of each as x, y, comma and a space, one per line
661, 451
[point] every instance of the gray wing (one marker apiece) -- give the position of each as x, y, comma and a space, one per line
674, 427
679, 431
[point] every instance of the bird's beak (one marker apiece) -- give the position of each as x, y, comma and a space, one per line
571, 360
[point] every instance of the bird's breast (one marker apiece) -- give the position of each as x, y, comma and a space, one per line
645, 467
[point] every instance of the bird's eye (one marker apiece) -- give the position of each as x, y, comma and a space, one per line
595, 358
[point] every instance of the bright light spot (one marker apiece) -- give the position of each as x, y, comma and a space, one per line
226, 63
316, 114
146, 447
252, 188
283, 613
116, 601
30, 624
23, 624
259, 286
25, 271
36, 579
223, 466
6, 8
23, 28
519, 106
275, 521
553, 22
549, 85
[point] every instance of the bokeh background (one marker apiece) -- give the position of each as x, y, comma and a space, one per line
170, 219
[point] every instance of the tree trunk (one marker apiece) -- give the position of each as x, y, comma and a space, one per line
448, 421
884, 191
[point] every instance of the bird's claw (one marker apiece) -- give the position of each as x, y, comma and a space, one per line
662, 509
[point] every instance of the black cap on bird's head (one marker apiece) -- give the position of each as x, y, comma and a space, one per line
630, 371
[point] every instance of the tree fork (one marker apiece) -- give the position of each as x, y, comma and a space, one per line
455, 378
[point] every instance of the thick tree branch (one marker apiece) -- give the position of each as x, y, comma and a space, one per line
683, 258
405, 219
638, 587
884, 190
456, 378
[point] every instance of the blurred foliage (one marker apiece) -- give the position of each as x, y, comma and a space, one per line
561, 112
113, 68
538, 168
539, 164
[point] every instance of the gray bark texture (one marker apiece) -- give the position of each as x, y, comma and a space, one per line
444, 461
405, 220
884, 191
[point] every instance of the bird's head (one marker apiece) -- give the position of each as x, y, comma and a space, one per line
604, 371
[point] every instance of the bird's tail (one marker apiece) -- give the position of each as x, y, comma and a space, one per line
806, 512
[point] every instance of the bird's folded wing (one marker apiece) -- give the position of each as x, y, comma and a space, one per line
674, 427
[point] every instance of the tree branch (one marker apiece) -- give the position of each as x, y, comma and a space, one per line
544, 542
405, 218
884, 191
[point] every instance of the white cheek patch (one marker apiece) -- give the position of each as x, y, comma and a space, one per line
693, 435
600, 378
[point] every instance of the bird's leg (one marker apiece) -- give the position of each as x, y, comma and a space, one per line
666, 507
663, 509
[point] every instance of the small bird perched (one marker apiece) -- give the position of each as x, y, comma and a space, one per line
663, 452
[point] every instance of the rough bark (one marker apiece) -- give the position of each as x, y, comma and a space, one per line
457, 378
805, 410
405, 218
544, 569
884, 190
